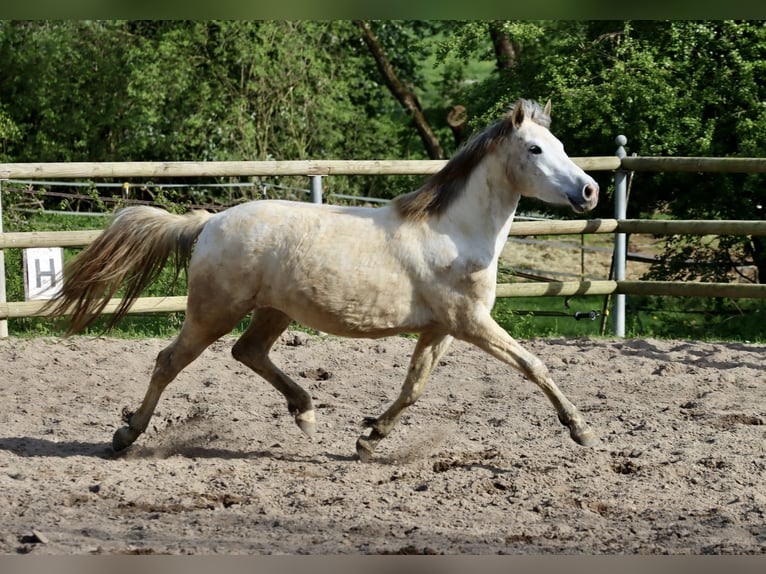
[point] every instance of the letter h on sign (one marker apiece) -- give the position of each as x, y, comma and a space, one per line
42, 272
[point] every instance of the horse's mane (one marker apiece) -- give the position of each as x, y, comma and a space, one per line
443, 187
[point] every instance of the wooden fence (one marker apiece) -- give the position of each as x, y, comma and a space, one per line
531, 289
620, 227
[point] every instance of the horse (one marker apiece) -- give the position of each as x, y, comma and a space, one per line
424, 264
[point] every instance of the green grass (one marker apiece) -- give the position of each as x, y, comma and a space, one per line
695, 318
529, 317
690, 318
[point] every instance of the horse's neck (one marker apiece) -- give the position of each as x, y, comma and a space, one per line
484, 212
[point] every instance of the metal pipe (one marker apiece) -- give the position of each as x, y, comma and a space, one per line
620, 239
316, 189
3, 322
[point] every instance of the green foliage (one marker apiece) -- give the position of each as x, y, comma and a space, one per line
674, 88
60, 85
9, 133
697, 319
660, 317
194, 91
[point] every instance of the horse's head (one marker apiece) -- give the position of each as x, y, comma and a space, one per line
539, 167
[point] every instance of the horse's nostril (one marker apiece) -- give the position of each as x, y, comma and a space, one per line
590, 191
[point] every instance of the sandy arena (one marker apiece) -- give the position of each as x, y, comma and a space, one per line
480, 465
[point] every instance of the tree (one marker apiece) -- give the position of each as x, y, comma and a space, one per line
505, 51
203, 90
683, 88
52, 82
9, 133
406, 97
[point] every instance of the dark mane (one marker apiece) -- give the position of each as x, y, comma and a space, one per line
443, 187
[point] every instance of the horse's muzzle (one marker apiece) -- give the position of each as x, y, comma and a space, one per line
587, 199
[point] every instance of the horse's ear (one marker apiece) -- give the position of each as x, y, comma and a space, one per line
547, 108
517, 114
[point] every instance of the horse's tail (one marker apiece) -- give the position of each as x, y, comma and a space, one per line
131, 251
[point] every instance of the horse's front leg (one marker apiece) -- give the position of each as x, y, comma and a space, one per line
428, 351
486, 334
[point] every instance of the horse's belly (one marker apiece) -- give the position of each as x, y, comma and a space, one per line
352, 324
351, 305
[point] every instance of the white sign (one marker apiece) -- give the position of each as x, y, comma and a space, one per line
43, 268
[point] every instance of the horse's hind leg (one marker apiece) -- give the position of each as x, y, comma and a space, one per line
428, 351
182, 351
195, 336
252, 349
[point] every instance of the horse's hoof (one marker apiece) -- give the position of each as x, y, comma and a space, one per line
123, 438
368, 422
306, 421
584, 436
363, 450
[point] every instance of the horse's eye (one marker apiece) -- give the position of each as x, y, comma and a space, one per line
535, 149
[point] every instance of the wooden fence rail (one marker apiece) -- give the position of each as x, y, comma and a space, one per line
14, 310
21, 309
96, 170
608, 287
695, 164
178, 169
23, 240
619, 164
